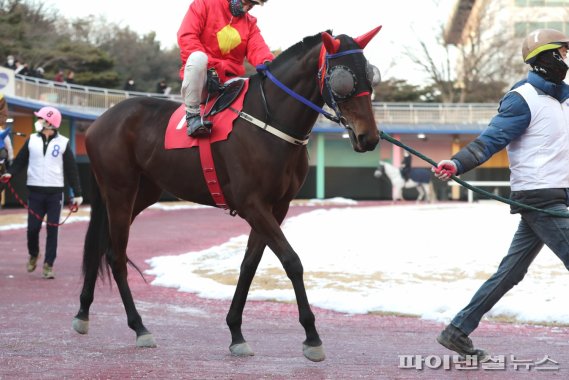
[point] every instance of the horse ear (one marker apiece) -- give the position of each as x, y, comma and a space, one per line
331, 44
363, 40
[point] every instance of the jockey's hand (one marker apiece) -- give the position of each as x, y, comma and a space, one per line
6, 177
444, 170
76, 201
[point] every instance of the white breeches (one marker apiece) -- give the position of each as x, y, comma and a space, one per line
195, 76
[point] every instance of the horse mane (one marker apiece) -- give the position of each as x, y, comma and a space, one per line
301, 47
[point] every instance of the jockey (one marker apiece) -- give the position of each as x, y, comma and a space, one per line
216, 35
406, 166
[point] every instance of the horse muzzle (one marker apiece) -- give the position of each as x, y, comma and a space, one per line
363, 142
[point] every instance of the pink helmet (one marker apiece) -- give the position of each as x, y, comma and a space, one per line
51, 115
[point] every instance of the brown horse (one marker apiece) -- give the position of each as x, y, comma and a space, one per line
259, 172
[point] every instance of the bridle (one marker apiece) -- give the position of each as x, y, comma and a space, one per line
331, 95
337, 84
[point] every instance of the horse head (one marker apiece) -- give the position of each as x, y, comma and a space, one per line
346, 84
379, 171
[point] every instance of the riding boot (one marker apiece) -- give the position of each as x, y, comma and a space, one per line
197, 126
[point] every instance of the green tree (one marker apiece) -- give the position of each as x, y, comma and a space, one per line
399, 90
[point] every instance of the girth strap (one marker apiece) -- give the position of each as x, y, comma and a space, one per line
210, 175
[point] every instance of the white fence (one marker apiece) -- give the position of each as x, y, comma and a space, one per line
492, 184
97, 100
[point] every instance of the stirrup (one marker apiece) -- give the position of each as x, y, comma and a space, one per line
197, 126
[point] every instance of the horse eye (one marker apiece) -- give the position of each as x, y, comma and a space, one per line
342, 81
373, 74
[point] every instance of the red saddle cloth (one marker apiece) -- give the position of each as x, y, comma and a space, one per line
176, 135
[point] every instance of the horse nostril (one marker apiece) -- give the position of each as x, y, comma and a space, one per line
367, 142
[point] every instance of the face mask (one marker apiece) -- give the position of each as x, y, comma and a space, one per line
551, 66
10, 62
38, 125
236, 8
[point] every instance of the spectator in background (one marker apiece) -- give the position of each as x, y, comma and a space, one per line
49, 161
70, 77
59, 77
39, 73
161, 87
129, 85
10, 62
6, 150
22, 68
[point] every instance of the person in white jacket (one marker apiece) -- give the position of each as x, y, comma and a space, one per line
533, 125
49, 161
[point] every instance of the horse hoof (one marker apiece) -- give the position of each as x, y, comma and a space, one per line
146, 340
315, 354
81, 326
241, 349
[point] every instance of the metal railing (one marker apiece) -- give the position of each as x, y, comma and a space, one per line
80, 98
96, 100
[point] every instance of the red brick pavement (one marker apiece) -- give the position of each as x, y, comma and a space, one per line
37, 341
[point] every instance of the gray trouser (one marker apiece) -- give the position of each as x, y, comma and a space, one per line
535, 229
193, 85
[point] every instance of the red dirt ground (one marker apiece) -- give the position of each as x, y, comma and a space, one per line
37, 341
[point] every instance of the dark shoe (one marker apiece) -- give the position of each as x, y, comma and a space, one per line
48, 271
197, 127
32, 263
455, 340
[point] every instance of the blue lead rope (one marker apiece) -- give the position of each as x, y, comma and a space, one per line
561, 214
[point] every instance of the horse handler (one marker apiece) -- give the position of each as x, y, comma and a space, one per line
48, 159
533, 124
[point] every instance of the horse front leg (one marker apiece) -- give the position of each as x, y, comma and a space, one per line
253, 255
269, 229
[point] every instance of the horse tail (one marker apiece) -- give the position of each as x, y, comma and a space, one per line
98, 238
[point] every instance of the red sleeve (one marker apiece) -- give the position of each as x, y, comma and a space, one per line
190, 31
257, 49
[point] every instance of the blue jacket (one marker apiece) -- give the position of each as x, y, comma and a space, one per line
3, 135
512, 120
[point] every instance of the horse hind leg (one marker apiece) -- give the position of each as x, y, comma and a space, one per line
96, 244
121, 211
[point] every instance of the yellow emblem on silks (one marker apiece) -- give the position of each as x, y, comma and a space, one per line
228, 39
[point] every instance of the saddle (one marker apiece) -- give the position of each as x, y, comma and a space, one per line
228, 94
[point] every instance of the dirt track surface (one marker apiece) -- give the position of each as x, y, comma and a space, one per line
37, 341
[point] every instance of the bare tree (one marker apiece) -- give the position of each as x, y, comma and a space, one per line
477, 67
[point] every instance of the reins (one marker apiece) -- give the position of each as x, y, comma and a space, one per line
394, 141
72, 209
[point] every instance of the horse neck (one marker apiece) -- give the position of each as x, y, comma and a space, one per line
301, 76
